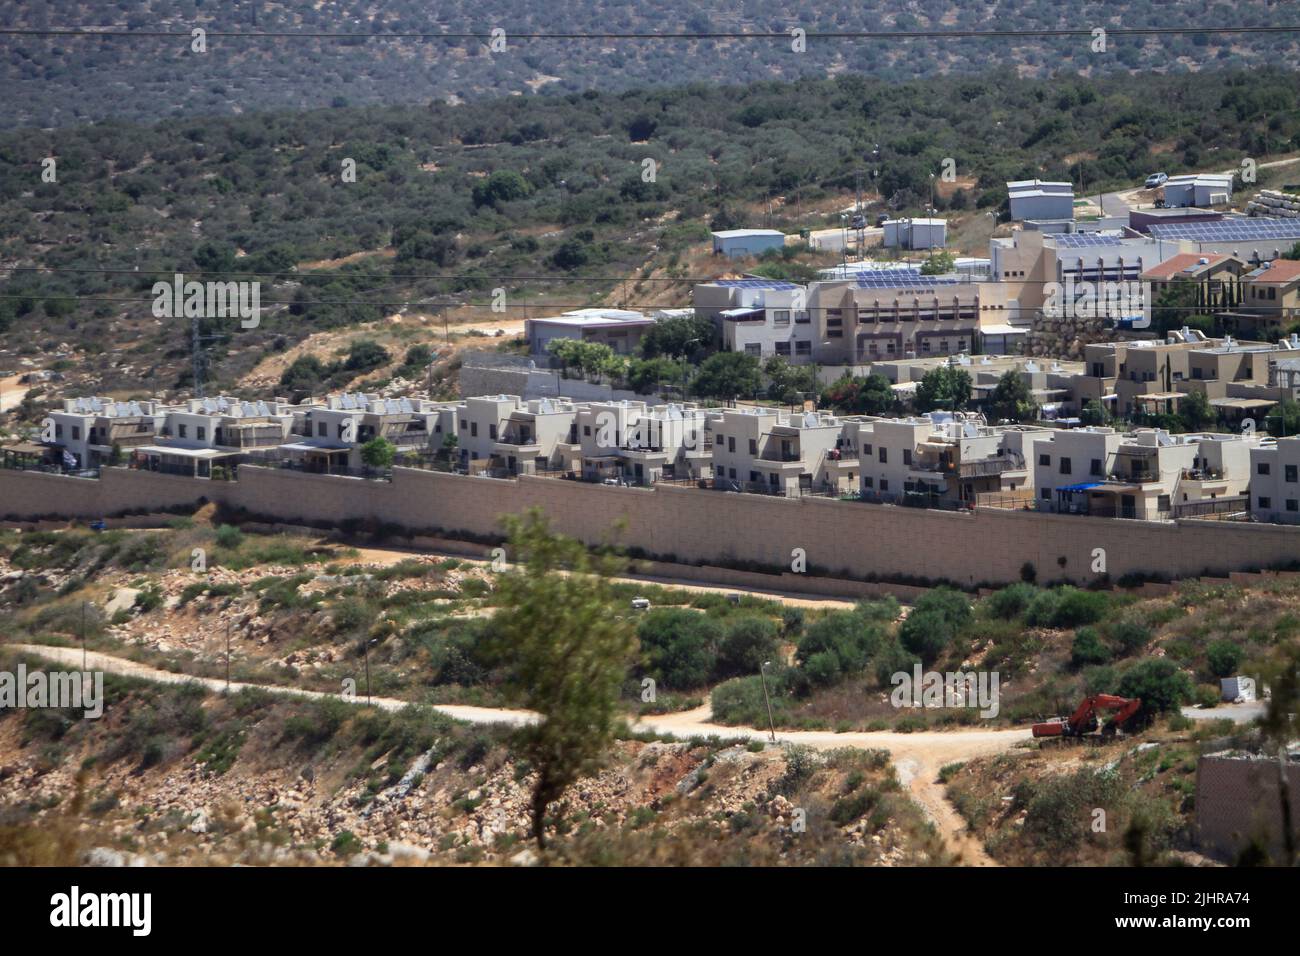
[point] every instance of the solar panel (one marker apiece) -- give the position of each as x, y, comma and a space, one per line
755, 284
1079, 240
1229, 230
903, 279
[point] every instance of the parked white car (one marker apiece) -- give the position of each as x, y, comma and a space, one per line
1155, 180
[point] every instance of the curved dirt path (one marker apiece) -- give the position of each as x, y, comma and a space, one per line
383, 557
918, 757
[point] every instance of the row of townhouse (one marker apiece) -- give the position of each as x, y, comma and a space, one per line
941, 459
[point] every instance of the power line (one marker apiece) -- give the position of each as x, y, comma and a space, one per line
498, 307
69, 32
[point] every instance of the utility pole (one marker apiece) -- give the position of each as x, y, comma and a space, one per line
771, 726
227, 658
83, 636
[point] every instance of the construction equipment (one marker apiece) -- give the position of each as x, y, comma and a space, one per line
1084, 720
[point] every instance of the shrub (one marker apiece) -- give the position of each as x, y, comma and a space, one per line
740, 701
747, 642
1223, 658
890, 660
1066, 607
229, 537
681, 646
792, 619
1011, 601
822, 668
1130, 636
1088, 649
845, 635
1160, 684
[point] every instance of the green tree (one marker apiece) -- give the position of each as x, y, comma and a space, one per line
1283, 420
944, 388
940, 262
852, 395
1011, 398
1223, 657
1158, 682
1197, 412
728, 375
564, 650
680, 646
1094, 413
378, 452
678, 336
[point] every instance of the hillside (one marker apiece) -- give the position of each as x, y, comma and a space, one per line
69, 80
542, 196
183, 773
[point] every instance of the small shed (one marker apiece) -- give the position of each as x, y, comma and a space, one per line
739, 243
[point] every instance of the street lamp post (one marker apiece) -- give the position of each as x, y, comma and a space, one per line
771, 725
365, 651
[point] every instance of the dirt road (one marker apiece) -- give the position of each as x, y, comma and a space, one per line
918, 757
384, 557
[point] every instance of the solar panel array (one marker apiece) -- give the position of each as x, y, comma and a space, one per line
1229, 230
1080, 240
755, 284
903, 279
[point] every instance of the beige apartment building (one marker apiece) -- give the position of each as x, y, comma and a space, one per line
1148, 376
631, 442
1275, 480
942, 459
1146, 474
773, 452
1270, 300
886, 316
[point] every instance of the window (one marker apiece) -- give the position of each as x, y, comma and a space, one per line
753, 348
586, 431
884, 484
907, 456
1290, 473
492, 432
58, 431
464, 424
754, 476
1262, 468
884, 455
731, 472
866, 449
731, 444
803, 348
200, 432
1065, 465
1045, 460
1046, 494
1265, 503
1096, 467
1292, 504
473, 429
753, 446
781, 318
76, 432
181, 430
1162, 503
868, 482
782, 348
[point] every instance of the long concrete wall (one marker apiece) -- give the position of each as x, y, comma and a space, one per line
689, 525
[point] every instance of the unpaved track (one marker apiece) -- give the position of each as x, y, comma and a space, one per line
917, 756
383, 557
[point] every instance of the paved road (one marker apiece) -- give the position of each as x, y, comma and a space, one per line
1237, 713
917, 757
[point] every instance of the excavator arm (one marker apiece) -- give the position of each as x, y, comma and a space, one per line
1084, 719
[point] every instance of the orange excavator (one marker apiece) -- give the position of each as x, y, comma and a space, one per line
1084, 720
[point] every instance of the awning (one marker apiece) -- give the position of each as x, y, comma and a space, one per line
309, 446
1159, 396
203, 454
1082, 486
1242, 403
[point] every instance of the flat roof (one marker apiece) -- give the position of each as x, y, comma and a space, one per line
744, 233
